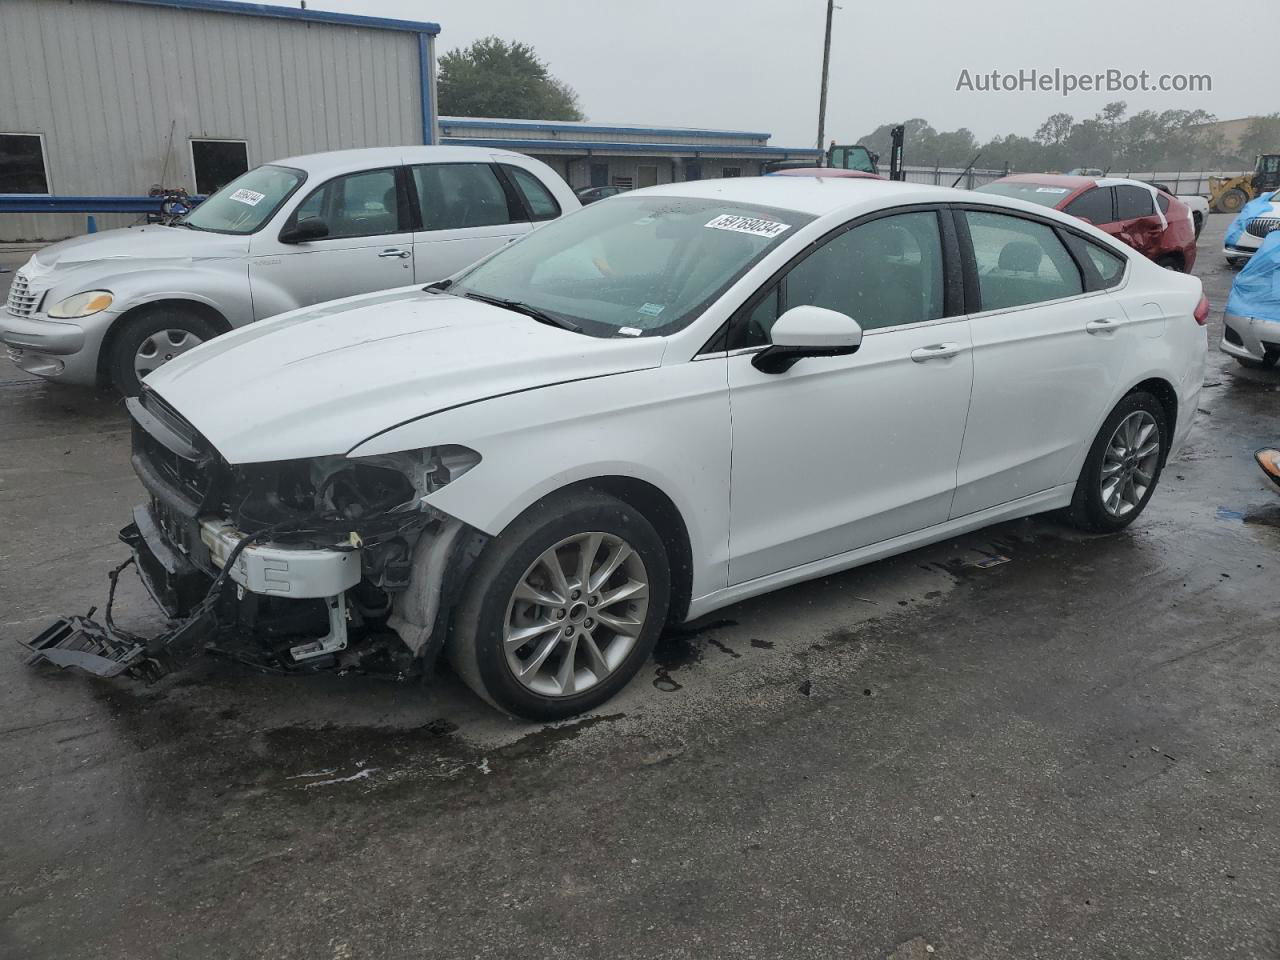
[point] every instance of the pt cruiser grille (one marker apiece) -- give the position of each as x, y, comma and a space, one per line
22, 301
1261, 226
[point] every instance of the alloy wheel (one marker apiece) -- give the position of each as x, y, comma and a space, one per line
576, 614
1129, 464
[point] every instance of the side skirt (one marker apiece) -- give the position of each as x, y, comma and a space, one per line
1051, 499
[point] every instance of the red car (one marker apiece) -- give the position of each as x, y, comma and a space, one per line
1145, 217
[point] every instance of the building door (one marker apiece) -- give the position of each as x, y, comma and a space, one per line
599, 175
646, 176
693, 169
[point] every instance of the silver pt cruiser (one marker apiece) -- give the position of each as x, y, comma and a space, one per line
113, 306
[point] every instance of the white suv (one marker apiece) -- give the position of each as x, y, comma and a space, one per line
113, 306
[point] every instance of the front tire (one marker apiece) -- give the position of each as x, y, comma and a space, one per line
150, 340
563, 607
1251, 364
1123, 466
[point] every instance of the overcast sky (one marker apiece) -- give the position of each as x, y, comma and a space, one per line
755, 64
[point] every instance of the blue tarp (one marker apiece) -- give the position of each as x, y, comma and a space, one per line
1256, 292
1254, 208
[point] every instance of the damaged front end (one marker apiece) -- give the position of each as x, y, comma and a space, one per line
292, 565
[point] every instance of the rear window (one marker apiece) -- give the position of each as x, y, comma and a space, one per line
1045, 194
1093, 205
1133, 202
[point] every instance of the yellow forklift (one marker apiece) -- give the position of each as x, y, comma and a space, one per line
1229, 194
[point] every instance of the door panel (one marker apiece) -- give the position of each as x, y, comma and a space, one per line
466, 213
841, 452
1046, 364
365, 251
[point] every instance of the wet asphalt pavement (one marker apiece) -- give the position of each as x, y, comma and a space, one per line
1069, 754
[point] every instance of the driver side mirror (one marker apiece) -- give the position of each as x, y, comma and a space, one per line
312, 228
807, 331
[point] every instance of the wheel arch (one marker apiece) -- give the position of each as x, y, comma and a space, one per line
1164, 391
205, 311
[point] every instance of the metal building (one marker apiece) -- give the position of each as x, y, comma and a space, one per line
107, 98
597, 155
102, 100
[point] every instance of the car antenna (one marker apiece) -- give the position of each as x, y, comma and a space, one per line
967, 169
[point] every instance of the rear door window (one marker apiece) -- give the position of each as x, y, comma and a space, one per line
1093, 205
453, 196
1019, 262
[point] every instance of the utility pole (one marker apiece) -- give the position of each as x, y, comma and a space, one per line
826, 66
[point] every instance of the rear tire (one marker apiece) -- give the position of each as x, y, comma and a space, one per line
1121, 471
161, 333
1198, 221
1173, 263
513, 593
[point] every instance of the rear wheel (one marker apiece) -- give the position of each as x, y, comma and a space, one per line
1172, 262
1123, 466
150, 340
563, 607
1198, 220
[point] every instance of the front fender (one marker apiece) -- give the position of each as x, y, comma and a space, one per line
667, 426
224, 289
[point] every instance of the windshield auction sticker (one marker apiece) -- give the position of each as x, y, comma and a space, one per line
252, 198
757, 228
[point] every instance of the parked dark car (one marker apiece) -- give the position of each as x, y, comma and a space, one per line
592, 194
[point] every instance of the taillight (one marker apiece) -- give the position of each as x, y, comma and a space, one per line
1202, 311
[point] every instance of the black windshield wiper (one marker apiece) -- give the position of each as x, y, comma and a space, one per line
515, 305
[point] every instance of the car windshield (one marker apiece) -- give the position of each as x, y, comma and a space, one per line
247, 202
1045, 194
637, 265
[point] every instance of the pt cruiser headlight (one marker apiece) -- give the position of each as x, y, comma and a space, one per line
81, 305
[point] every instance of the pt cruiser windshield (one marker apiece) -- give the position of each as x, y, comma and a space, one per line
631, 266
247, 202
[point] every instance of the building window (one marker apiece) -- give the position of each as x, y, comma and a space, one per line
731, 172
22, 168
216, 163
625, 183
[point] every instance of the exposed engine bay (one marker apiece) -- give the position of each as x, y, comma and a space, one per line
298, 565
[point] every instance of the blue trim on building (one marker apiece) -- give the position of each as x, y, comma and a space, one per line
293, 13
641, 149
424, 78
569, 126
40, 203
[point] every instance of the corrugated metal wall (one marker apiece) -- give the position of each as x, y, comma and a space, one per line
106, 83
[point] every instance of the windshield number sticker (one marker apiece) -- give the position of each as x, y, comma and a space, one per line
651, 309
250, 197
1051, 190
757, 228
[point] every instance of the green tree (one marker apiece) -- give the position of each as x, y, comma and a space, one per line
1261, 136
493, 78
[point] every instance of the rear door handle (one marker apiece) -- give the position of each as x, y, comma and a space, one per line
937, 351
393, 252
1105, 325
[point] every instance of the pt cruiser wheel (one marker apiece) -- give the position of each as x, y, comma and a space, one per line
562, 608
1123, 467
150, 340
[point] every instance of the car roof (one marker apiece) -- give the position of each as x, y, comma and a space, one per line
345, 161
838, 173
1050, 180
817, 196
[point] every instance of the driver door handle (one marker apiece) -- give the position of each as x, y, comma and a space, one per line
395, 252
937, 351
1105, 325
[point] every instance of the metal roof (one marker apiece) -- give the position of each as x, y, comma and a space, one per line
587, 126
293, 13
610, 146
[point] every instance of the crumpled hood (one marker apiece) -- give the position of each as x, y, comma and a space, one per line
131, 248
319, 381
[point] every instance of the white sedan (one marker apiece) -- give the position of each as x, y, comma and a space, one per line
653, 408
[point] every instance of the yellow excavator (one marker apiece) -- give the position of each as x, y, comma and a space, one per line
1229, 194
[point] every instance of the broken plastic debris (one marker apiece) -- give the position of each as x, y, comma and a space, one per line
992, 561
